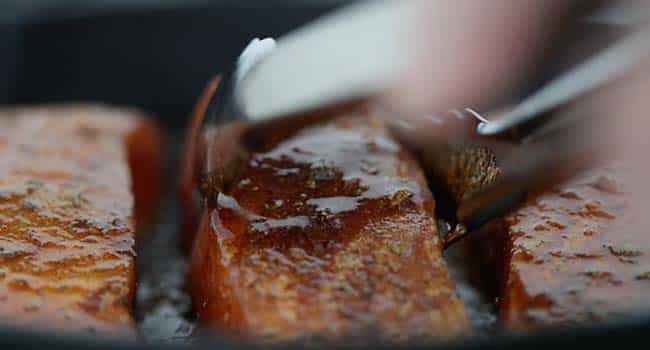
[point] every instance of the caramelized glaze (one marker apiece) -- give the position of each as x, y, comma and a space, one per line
67, 230
571, 256
329, 233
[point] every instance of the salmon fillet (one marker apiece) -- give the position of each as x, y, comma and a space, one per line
329, 233
569, 257
67, 223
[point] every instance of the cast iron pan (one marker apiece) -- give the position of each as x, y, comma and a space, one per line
158, 58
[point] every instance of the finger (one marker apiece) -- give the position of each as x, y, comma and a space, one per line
474, 51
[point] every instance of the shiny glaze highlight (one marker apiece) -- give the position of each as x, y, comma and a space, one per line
572, 258
67, 229
329, 233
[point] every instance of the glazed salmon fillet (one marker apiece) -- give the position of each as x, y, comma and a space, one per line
67, 215
569, 257
329, 233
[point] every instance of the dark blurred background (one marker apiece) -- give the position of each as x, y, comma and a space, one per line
154, 54
158, 54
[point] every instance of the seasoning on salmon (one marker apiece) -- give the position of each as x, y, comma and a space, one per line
67, 215
571, 256
329, 233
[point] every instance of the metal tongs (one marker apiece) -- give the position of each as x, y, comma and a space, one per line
554, 131
354, 54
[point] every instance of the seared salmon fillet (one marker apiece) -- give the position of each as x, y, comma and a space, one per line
569, 257
329, 233
67, 215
